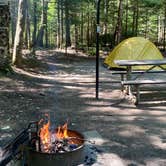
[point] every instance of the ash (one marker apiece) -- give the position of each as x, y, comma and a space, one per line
59, 146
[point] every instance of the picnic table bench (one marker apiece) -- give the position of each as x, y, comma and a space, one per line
130, 81
138, 83
123, 73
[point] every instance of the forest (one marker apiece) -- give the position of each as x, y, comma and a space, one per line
72, 23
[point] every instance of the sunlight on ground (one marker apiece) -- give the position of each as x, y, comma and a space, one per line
126, 131
157, 141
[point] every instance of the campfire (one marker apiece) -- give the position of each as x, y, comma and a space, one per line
43, 144
55, 146
58, 140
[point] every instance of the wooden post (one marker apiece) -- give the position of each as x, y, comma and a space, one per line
4, 36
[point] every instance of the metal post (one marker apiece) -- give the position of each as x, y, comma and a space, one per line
97, 47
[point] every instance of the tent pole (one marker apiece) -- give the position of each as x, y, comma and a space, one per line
97, 47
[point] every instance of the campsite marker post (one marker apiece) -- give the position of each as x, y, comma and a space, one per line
97, 47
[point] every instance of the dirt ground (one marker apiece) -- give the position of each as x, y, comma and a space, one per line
65, 86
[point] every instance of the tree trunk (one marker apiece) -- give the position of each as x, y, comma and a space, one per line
118, 29
105, 21
113, 17
13, 15
164, 39
137, 17
17, 55
13, 30
27, 27
46, 25
146, 24
87, 33
67, 24
82, 26
4, 37
158, 29
61, 24
34, 25
76, 38
126, 20
42, 27
58, 24
134, 16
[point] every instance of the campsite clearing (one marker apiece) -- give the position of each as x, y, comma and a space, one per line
135, 134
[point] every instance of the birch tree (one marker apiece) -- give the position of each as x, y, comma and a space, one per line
17, 55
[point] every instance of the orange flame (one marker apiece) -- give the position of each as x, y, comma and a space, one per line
62, 132
46, 135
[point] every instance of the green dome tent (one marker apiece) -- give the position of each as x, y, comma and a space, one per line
135, 48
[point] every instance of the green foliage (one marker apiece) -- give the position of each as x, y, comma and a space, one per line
106, 39
82, 14
52, 16
51, 11
6, 71
91, 51
152, 3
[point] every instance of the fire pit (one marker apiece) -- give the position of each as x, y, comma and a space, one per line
68, 158
61, 147
43, 145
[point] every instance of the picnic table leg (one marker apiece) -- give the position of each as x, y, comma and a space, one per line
122, 86
128, 77
137, 94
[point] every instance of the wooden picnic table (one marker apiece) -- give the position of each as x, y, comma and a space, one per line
129, 64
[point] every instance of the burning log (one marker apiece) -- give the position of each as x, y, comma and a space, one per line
62, 146
56, 141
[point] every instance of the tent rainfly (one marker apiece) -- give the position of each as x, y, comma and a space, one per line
135, 48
